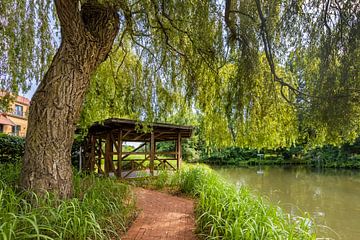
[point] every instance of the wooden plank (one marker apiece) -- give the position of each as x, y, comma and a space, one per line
99, 156
156, 136
140, 164
114, 140
178, 148
119, 150
164, 163
92, 154
124, 136
140, 136
107, 154
170, 165
111, 156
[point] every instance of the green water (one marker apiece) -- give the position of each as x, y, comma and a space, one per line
331, 197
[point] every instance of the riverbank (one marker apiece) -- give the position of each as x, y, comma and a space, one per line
329, 196
320, 163
327, 159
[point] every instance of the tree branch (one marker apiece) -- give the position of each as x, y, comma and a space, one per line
68, 12
269, 56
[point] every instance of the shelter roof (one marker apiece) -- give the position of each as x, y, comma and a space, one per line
133, 130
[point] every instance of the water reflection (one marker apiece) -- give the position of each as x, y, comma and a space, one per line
331, 197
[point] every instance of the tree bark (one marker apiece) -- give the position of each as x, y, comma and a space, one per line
87, 37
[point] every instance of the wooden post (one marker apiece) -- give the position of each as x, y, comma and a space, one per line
119, 151
99, 155
152, 153
145, 150
178, 149
91, 163
108, 150
111, 155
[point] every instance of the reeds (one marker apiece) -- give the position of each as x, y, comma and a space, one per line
225, 212
100, 209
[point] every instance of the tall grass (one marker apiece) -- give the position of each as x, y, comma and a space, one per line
225, 212
100, 209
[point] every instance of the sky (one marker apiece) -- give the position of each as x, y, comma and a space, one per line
29, 93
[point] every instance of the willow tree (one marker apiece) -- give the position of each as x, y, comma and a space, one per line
209, 52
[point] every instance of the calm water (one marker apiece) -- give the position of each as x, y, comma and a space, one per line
331, 197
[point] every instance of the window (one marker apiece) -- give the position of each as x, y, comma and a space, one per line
1, 128
16, 130
18, 110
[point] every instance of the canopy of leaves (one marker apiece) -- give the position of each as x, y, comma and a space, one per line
256, 73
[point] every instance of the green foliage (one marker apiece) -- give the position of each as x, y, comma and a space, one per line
229, 156
161, 179
189, 149
211, 59
11, 148
9, 173
327, 71
100, 209
28, 37
333, 157
328, 156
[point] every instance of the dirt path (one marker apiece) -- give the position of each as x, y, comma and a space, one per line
162, 217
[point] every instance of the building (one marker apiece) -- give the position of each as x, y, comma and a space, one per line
15, 121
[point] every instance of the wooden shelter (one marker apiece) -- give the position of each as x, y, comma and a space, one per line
105, 152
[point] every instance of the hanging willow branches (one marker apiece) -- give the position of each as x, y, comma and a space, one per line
259, 73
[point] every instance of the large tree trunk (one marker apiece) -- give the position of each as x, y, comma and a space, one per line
87, 38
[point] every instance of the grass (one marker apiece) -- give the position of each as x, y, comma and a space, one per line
225, 212
101, 209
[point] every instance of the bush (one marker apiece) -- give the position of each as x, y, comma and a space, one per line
11, 148
229, 156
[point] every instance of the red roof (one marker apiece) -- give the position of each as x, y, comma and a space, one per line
23, 100
5, 121
19, 99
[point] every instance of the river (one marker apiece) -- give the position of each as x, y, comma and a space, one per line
331, 197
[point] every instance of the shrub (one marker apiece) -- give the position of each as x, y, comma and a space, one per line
11, 148
229, 156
